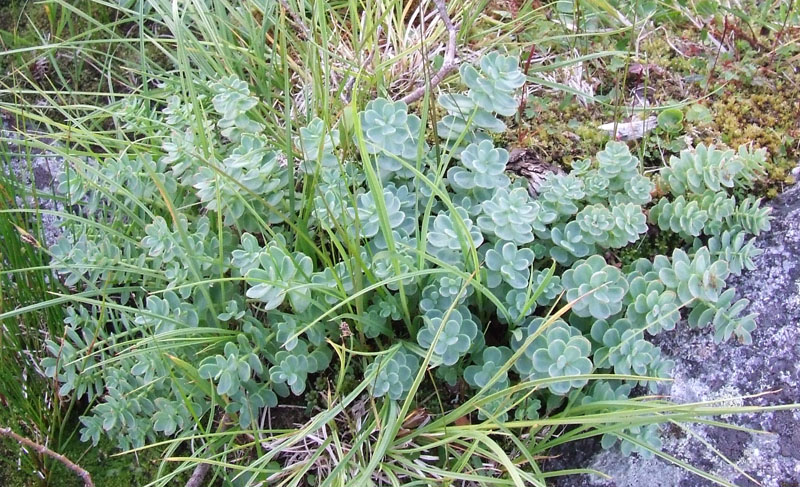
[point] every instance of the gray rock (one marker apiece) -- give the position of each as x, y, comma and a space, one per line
35, 171
706, 371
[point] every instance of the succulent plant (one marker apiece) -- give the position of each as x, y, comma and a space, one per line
605, 391
232, 100
166, 314
316, 140
509, 216
559, 351
719, 207
637, 190
489, 363
596, 223
528, 410
461, 109
250, 168
84, 258
293, 366
700, 169
492, 86
561, 193
570, 243
506, 263
629, 222
409, 230
380, 314
286, 331
595, 185
733, 247
726, 316
249, 402
483, 167
335, 283
388, 128
617, 165
246, 257
517, 302
751, 217
753, 165
456, 331
649, 434
436, 296
394, 376
387, 265
448, 232
683, 217
550, 292
454, 287
168, 418
408, 206
179, 148
67, 365
369, 215
623, 347
656, 311
177, 113
127, 418
279, 276
699, 278
160, 242
230, 369
596, 288
332, 209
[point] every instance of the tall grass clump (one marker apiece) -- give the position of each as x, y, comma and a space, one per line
30, 403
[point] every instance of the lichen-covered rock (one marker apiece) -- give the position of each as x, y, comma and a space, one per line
35, 170
706, 371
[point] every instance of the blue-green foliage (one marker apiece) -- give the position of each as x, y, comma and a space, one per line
379, 240
506, 263
281, 275
596, 288
450, 332
491, 93
484, 167
560, 350
393, 376
509, 216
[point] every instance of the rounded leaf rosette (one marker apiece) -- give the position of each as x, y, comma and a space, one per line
596, 288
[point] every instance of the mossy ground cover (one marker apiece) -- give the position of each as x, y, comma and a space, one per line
752, 96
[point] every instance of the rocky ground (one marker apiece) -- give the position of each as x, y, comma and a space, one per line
35, 170
706, 371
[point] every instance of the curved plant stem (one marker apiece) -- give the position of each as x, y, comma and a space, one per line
43, 450
200, 471
449, 63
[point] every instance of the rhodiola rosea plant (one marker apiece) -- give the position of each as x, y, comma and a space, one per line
236, 273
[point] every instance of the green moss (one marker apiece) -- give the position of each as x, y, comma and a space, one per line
654, 243
561, 131
106, 470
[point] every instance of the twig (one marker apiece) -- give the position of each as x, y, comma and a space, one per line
699, 25
200, 471
524, 99
780, 33
296, 18
43, 450
449, 63
716, 58
347, 90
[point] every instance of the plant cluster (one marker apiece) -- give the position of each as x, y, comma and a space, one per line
238, 274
